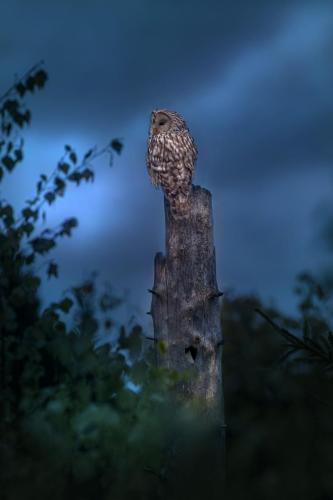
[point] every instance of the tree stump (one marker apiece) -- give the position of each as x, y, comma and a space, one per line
185, 304
186, 316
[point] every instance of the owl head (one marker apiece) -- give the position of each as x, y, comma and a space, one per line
163, 121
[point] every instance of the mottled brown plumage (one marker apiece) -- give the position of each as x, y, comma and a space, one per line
170, 158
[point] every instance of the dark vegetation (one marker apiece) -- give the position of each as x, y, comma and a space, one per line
84, 420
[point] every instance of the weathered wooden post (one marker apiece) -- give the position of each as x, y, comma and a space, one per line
185, 303
186, 309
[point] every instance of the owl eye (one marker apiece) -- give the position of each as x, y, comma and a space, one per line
162, 122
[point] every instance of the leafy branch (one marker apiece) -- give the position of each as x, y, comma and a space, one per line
67, 170
23, 84
14, 116
14, 248
319, 351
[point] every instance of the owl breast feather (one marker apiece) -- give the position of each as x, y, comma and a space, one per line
171, 156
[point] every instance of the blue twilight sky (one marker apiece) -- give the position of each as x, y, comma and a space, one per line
254, 80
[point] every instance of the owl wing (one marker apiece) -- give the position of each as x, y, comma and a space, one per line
171, 153
184, 157
159, 157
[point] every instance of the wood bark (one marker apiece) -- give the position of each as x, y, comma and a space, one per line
186, 304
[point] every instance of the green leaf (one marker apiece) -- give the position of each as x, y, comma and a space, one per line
319, 291
31, 283
87, 174
81, 291
30, 83
49, 197
41, 182
108, 324
29, 259
127, 400
131, 342
18, 296
60, 327
7, 215
6, 129
139, 372
18, 155
63, 167
27, 213
9, 316
67, 226
20, 89
11, 106
65, 305
6, 211
88, 154
73, 157
27, 228
42, 245
27, 116
8, 162
117, 146
122, 339
108, 302
135, 342
40, 78
60, 185
75, 177
52, 270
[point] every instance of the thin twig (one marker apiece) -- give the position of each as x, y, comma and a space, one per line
313, 349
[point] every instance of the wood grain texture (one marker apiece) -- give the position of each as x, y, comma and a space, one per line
186, 308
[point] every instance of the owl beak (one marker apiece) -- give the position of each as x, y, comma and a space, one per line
154, 131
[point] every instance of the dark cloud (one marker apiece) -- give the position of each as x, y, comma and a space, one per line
273, 111
110, 60
254, 81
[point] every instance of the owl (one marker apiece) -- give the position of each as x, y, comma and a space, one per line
171, 155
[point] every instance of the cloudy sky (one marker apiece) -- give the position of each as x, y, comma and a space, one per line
254, 80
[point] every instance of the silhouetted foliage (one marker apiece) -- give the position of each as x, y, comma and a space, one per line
77, 420
86, 420
278, 401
